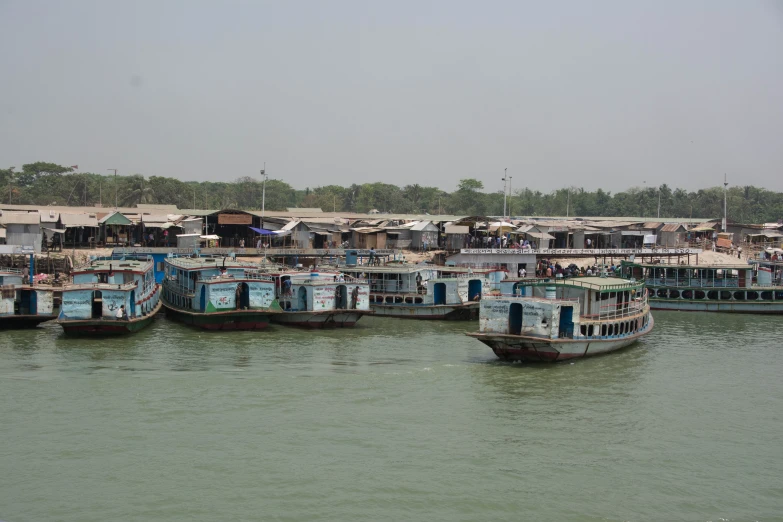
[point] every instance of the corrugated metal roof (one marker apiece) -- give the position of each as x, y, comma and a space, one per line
78, 220
652, 224
305, 210
50, 216
673, 227
20, 218
422, 225
115, 218
291, 225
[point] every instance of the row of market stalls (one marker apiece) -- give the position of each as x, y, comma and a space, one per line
161, 225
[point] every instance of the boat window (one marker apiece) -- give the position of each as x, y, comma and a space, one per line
739, 296
753, 296
712, 294
662, 292
603, 330
674, 294
590, 330
725, 295
583, 330
767, 296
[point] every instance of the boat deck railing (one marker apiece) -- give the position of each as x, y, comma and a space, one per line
618, 311
693, 282
14, 271
100, 286
622, 284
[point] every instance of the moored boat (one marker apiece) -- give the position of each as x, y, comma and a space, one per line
554, 320
23, 305
424, 291
751, 288
320, 300
218, 293
110, 296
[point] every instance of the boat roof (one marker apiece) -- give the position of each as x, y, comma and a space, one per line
589, 283
411, 268
116, 265
735, 266
203, 263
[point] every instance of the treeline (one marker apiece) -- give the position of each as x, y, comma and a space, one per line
44, 184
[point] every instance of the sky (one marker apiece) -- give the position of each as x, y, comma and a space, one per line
604, 94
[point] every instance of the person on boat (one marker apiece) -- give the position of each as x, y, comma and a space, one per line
121, 314
354, 297
338, 295
418, 281
239, 296
372, 256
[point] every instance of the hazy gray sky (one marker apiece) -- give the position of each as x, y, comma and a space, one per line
596, 94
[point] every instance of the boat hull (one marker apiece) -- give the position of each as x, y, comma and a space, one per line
21, 322
533, 349
325, 319
228, 320
461, 312
736, 307
102, 327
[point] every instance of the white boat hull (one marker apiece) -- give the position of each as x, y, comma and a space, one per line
534, 349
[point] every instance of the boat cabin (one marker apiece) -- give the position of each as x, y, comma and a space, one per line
590, 307
100, 288
17, 298
215, 284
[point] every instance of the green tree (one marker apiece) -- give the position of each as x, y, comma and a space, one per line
136, 191
31, 172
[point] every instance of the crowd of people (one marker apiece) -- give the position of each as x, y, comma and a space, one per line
504, 241
547, 268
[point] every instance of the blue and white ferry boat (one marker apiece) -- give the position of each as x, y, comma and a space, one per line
554, 320
116, 295
425, 291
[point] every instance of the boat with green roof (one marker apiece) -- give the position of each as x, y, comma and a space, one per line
547, 320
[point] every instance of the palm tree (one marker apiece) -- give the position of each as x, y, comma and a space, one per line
139, 193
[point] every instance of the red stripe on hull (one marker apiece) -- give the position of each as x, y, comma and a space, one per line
533, 355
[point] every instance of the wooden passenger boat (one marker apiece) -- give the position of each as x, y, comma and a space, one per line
90, 304
554, 320
751, 288
320, 299
424, 291
218, 293
23, 305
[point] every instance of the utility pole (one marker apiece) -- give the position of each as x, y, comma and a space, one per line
506, 181
725, 189
659, 202
115, 188
194, 199
10, 184
263, 195
568, 202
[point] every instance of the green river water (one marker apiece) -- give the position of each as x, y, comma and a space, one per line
391, 420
